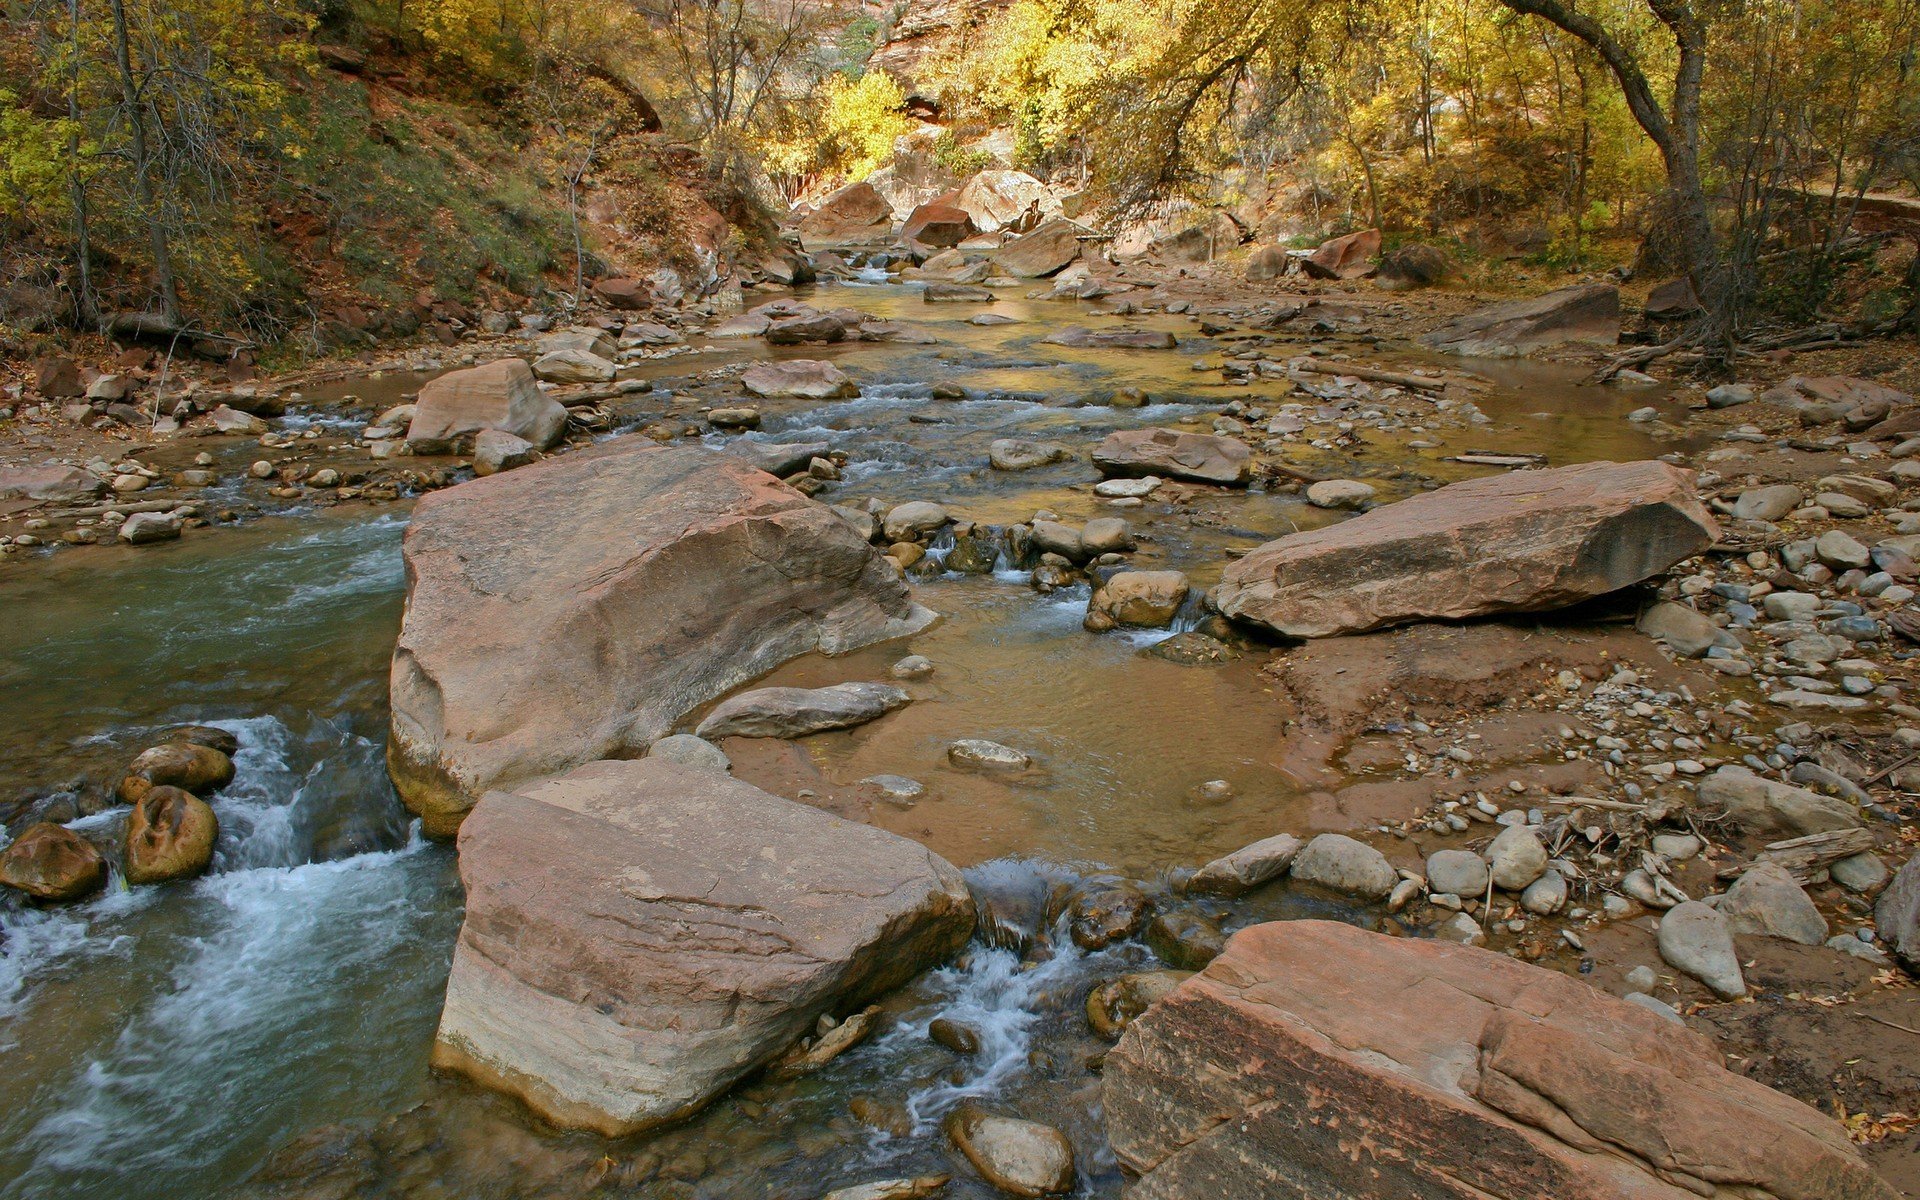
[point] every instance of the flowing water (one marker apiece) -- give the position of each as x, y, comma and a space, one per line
266, 1027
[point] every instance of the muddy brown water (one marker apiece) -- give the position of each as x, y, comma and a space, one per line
265, 1028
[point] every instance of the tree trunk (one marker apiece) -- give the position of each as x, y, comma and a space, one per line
163, 279
86, 311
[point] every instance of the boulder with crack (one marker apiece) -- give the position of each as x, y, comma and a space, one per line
1312, 1059
578, 608
640, 935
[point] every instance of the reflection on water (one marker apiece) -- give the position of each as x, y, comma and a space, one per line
164, 1041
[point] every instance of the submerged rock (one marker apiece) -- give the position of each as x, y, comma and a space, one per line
1139, 599
1118, 1003
618, 589
1321, 1060
1524, 542
983, 755
50, 862
782, 712
1019, 454
640, 935
170, 835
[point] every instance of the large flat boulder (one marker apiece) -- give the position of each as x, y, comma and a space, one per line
55, 484
1524, 542
1312, 1059
1169, 453
856, 213
1589, 313
578, 608
1046, 250
498, 395
640, 935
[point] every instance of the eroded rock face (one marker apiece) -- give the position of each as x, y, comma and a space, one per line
995, 199
1589, 313
1346, 257
497, 395
1525, 542
56, 484
640, 935
1046, 250
1313, 1059
577, 608
170, 835
940, 225
1201, 457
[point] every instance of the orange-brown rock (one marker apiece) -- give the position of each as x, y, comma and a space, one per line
940, 225
1312, 1060
1347, 257
1522, 542
575, 609
855, 213
640, 935
51, 862
182, 764
170, 835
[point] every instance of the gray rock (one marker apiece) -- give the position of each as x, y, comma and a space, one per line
1676, 847
1546, 895
1462, 929
692, 751
1766, 901
1841, 551
143, 529
1686, 632
913, 666
1248, 867
1696, 940
1339, 493
496, 450
1848, 944
1897, 915
1019, 454
782, 712
573, 366
1861, 873
984, 755
1342, 864
1106, 535
1642, 978
1517, 858
779, 459
1651, 1004
897, 788
1457, 872
1771, 808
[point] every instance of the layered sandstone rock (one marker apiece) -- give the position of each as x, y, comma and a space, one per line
1588, 313
497, 395
640, 935
1347, 257
577, 608
940, 225
1523, 542
1312, 1059
1046, 250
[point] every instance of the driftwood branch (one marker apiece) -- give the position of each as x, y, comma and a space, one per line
1802, 856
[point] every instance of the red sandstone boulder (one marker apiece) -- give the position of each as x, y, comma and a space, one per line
640, 935
855, 213
1047, 250
575, 609
1347, 257
940, 225
1312, 1059
1523, 542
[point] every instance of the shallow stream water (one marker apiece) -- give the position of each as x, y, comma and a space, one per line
266, 1027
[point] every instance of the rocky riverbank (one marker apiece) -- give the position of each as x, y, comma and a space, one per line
1639, 730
